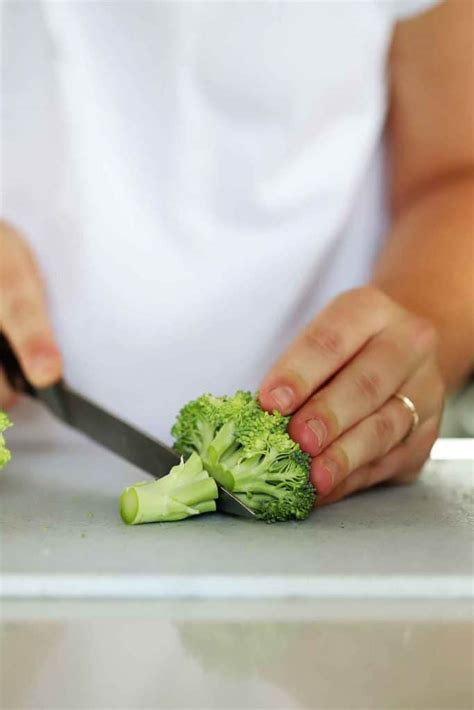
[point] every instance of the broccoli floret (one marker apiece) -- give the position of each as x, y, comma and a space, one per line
185, 491
5, 455
249, 452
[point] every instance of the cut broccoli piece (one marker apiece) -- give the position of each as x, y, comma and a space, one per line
249, 452
5, 455
187, 490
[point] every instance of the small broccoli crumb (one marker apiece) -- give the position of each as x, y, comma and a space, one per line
5, 454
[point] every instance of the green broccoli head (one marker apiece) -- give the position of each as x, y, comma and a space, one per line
250, 452
5, 455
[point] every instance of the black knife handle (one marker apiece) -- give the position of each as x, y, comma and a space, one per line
12, 369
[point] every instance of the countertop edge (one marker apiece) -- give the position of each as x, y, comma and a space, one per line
70, 586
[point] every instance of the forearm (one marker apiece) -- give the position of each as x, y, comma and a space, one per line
427, 265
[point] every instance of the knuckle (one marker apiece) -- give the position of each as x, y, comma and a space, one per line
340, 461
384, 430
425, 335
367, 296
368, 385
22, 309
368, 293
357, 303
11, 276
326, 341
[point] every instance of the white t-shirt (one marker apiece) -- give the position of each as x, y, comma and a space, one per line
197, 180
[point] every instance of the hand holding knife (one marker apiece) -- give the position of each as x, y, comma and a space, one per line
148, 454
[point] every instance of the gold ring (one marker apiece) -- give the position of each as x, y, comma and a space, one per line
408, 404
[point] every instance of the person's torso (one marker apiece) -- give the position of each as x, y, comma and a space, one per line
203, 177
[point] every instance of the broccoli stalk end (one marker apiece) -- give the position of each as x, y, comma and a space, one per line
187, 490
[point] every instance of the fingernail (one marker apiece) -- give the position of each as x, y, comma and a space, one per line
283, 398
319, 430
324, 475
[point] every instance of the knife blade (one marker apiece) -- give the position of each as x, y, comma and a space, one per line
149, 454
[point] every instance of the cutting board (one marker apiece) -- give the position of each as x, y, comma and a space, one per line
62, 535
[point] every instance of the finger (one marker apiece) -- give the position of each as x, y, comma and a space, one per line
7, 396
376, 435
401, 465
404, 464
364, 384
338, 332
23, 315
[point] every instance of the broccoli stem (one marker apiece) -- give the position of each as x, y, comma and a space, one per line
261, 487
208, 506
223, 440
186, 491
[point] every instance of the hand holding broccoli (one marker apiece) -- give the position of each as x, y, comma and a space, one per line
339, 381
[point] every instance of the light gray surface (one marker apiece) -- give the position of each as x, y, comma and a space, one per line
61, 534
356, 637
149, 663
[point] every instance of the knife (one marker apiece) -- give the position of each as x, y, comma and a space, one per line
148, 454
